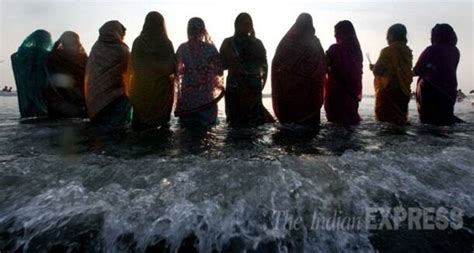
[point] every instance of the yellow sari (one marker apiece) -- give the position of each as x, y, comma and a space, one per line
393, 76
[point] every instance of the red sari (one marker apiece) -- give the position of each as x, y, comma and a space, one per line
298, 74
343, 89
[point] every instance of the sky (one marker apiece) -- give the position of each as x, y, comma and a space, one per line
272, 19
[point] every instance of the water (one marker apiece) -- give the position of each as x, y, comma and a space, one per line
65, 188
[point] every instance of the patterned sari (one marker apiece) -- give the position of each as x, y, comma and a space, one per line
298, 74
107, 77
393, 76
152, 80
199, 82
30, 75
66, 67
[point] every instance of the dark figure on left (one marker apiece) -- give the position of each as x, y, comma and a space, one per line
66, 66
437, 86
30, 75
107, 78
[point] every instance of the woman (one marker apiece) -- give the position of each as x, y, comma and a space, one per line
199, 78
298, 73
152, 65
30, 75
437, 86
393, 77
66, 66
343, 89
107, 77
245, 58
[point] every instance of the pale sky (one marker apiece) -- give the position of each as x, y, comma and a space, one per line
272, 19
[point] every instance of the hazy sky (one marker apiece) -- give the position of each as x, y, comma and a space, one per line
272, 19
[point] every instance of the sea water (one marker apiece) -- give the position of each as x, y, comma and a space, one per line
66, 188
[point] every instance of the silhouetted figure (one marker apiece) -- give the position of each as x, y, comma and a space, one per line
10, 89
393, 76
245, 58
437, 83
30, 75
199, 78
343, 89
152, 84
66, 67
5, 89
298, 73
107, 77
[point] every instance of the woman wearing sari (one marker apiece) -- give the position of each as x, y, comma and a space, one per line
107, 77
152, 68
298, 73
393, 76
437, 86
245, 57
66, 66
30, 75
343, 89
199, 78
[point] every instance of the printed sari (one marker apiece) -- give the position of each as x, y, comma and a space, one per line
298, 74
393, 76
437, 84
152, 81
107, 77
343, 89
28, 65
199, 83
66, 67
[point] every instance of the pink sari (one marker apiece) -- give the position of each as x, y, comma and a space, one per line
343, 89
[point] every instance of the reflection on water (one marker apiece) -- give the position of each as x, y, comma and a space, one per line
67, 187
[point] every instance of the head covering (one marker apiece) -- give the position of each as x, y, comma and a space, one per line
69, 42
343, 88
443, 34
154, 25
68, 57
38, 39
299, 69
30, 76
107, 68
112, 31
152, 65
197, 30
397, 33
346, 36
303, 27
244, 25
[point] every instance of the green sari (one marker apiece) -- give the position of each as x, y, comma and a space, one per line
28, 65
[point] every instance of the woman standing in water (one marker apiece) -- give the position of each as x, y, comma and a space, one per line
298, 73
245, 58
66, 66
107, 77
437, 86
30, 75
199, 78
343, 89
393, 76
152, 67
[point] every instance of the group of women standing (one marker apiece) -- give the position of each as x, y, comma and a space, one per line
65, 82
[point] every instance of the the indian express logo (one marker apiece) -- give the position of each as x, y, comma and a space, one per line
375, 218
